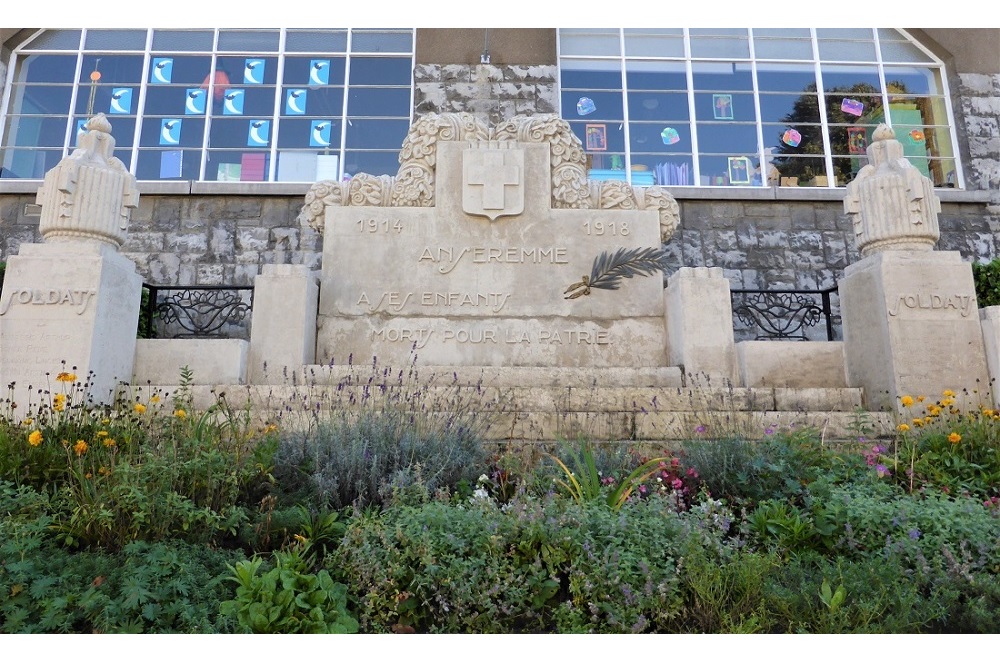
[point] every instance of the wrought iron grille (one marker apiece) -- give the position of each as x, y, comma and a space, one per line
784, 314
197, 311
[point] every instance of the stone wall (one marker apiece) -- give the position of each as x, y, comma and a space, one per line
492, 92
979, 115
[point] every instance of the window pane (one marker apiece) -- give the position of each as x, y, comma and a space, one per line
371, 162
33, 99
591, 75
592, 105
652, 75
47, 69
172, 131
378, 101
804, 169
846, 50
64, 40
183, 40
313, 102
589, 42
381, 71
111, 69
772, 77
376, 41
244, 165
844, 33
722, 77
315, 71
658, 106
316, 41
782, 49
116, 40
861, 78
789, 108
315, 133
719, 47
44, 131
729, 138
168, 164
660, 137
249, 41
376, 134
29, 162
662, 42
724, 106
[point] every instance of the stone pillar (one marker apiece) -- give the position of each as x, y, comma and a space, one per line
283, 330
989, 318
909, 313
71, 304
699, 316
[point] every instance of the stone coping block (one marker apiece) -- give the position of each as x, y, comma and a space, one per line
989, 319
158, 361
791, 363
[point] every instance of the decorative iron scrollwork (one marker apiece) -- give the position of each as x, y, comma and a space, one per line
199, 312
780, 315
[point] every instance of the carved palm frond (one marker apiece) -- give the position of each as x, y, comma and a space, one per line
609, 270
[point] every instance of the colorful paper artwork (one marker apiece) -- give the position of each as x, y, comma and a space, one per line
170, 131
585, 106
916, 135
670, 136
232, 104
739, 170
597, 137
853, 107
722, 106
319, 133
258, 134
170, 164
295, 102
319, 73
791, 137
857, 141
194, 101
253, 71
162, 70
121, 100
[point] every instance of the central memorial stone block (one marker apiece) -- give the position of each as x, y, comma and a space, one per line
509, 257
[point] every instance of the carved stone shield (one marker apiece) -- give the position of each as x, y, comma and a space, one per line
493, 181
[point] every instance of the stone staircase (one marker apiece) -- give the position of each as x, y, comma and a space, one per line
535, 404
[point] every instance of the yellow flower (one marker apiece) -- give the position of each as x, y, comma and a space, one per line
102, 434
103, 471
948, 393
920, 399
907, 401
28, 421
155, 398
933, 410
300, 539
946, 402
988, 412
105, 421
80, 448
917, 421
140, 408
66, 377
59, 402
108, 442
954, 438
35, 438
269, 428
903, 427
180, 413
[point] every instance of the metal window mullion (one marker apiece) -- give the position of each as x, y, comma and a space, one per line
347, 86
881, 77
279, 77
821, 100
692, 122
69, 138
756, 107
413, 67
209, 105
140, 113
622, 63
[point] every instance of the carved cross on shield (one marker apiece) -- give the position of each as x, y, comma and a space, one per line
492, 182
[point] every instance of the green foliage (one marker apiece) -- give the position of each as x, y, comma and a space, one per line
287, 599
539, 565
986, 277
584, 483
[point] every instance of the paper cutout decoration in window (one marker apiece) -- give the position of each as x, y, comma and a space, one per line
585, 106
791, 137
253, 71
162, 70
121, 100
319, 133
297, 167
233, 104
319, 72
219, 82
295, 102
597, 137
327, 167
170, 131
258, 134
228, 172
195, 101
853, 107
722, 106
670, 136
170, 164
739, 171
857, 142
253, 166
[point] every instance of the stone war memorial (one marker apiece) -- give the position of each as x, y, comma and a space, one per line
491, 260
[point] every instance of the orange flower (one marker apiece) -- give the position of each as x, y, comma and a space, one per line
907, 401
80, 448
903, 427
66, 377
35, 438
954, 438
140, 408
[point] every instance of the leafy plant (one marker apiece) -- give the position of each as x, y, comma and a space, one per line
986, 277
585, 484
286, 599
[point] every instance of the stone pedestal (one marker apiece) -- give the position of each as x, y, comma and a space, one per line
699, 316
283, 331
66, 306
911, 326
989, 318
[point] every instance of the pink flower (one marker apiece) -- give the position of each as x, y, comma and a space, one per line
676, 483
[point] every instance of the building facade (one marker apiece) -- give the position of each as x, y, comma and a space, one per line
755, 132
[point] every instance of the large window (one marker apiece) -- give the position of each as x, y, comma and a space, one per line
214, 104
752, 107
